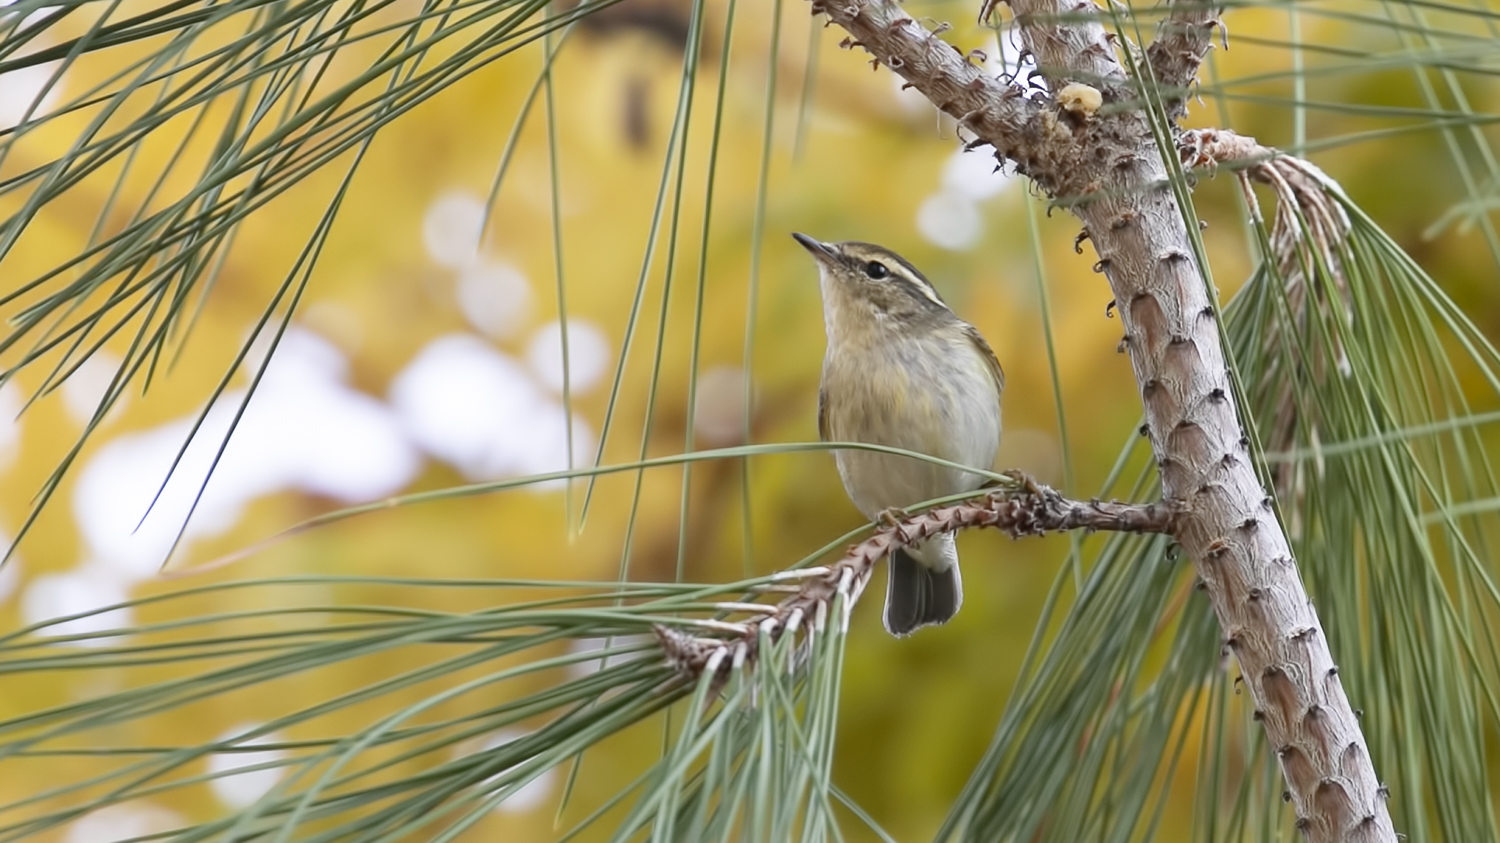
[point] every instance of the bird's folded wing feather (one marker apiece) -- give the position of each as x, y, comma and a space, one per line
988, 354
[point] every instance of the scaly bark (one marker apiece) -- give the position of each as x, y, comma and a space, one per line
1183, 38
1106, 168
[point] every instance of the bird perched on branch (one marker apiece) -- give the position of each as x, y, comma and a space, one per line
905, 372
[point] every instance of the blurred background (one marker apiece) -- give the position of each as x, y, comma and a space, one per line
446, 337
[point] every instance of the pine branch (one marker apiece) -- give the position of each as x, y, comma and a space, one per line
1034, 511
1183, 38
1100, 156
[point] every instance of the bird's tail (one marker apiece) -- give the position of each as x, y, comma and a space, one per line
917, 594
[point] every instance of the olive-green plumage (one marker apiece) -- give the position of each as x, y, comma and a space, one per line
903, 371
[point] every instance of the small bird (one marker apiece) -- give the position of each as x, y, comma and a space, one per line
903, 371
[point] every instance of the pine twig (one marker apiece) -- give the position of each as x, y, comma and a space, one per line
1183, 38
1034, 510
1307, 241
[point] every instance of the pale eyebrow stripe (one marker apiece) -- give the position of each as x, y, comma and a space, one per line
909, 274
900, 268
925, 289
915, 276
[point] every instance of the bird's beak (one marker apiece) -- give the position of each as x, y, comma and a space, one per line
820, 250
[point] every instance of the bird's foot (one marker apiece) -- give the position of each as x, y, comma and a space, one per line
891, 516
1026, 481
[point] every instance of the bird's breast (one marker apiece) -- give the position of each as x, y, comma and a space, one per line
931, 396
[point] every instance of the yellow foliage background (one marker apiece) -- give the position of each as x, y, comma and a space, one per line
857, 162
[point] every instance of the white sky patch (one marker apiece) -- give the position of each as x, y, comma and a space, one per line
480, 410
240, 790
123, 822
260, 346
588, 355
972, 174
306, 429
719, 417
495, 298
318, 434
22, 88
451, 228
529, 796
580, 646
950, 220
461, 400
995, 65
10, 425
86, 386
544, 443
83, 589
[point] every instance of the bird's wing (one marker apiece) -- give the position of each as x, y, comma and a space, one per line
989, 356
823, 413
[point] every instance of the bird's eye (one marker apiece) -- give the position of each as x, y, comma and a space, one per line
876, 270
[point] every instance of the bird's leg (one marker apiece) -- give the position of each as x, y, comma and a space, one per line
892, 517
1028, 483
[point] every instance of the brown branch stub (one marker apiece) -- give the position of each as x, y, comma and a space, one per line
1300, 186
1034, 510
1183, 38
